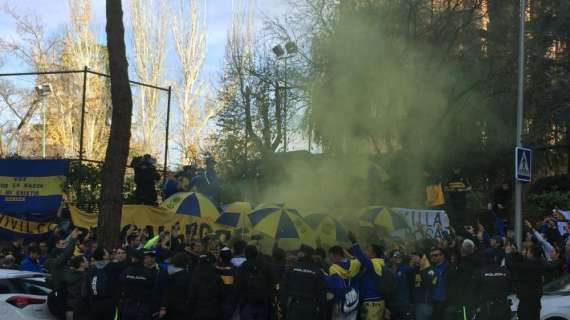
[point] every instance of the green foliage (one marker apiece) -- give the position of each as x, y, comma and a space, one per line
84, 182
546, 202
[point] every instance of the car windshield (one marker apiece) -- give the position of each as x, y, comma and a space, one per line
559, 285
25, 286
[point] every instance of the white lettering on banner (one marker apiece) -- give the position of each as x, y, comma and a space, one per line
430, 219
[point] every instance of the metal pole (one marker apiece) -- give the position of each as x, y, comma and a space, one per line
81, 151
285, 109
520, 106
167, 131
44, 129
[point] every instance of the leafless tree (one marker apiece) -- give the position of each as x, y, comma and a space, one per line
149, 28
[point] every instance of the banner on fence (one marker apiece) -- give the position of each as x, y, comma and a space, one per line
32, 188
142, 216
430, 219
30, 196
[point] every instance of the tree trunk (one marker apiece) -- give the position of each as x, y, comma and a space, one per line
113, 173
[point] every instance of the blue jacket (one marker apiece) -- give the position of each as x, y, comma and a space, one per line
370, 280
30, 265
402, 294
341, 276
439, 289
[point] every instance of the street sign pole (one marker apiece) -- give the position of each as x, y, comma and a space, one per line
520, 106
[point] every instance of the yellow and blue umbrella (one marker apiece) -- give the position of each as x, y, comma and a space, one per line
279, 222
384, 217
193, 204
235, 215
328, 229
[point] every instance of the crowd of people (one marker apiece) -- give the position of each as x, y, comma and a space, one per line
467, 273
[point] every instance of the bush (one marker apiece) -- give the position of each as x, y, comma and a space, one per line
545, 202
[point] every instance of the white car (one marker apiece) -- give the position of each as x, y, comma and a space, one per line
555, 300
23, 296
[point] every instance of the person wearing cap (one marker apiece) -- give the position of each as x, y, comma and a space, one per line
373, 299
227, 272
492, 285
255, 286
399, 304
302, 289
144, 288
206, 291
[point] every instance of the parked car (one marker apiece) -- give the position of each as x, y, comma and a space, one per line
23, 296
555, 300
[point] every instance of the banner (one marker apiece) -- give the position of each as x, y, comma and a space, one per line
430, 219
32, 188
25, 228
30, 196
142, 216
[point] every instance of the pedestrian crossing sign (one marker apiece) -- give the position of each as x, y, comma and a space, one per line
523, 164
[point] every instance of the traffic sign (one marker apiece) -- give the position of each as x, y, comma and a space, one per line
523, 164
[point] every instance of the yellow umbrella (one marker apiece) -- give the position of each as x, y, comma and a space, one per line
281, 223
193, 204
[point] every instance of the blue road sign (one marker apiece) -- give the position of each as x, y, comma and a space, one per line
523, 164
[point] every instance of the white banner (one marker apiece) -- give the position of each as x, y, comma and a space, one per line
430, 219
562, 225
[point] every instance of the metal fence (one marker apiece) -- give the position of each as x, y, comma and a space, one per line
86, 71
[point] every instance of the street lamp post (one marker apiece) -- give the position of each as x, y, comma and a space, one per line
520, 108
292, 49
44, 90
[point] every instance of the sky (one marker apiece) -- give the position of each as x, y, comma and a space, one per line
54, 14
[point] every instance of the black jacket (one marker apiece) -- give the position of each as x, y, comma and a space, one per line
143, 290
460, 280
492, 283
178, 290
73, 281
529, 274
303, 284
250, 292
57, 263
422, 282
205, 294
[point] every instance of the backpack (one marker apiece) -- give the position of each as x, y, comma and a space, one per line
388, 283
97, 284
257, 286
350, 299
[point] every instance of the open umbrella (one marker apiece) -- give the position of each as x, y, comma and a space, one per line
328, 229
384, 217
192, 204
279, 222
235, 215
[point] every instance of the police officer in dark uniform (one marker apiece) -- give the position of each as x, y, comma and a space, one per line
143, 289
493, 284
302, 289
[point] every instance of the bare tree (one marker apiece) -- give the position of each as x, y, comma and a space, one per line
81, 49
113, 173
148, 34
189, 34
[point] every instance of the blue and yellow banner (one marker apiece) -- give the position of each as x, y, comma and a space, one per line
32, 187
30, 196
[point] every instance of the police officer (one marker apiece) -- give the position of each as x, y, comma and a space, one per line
493, 284
144, 293
302, 289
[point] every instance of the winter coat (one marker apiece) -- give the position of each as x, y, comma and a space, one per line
205, 294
